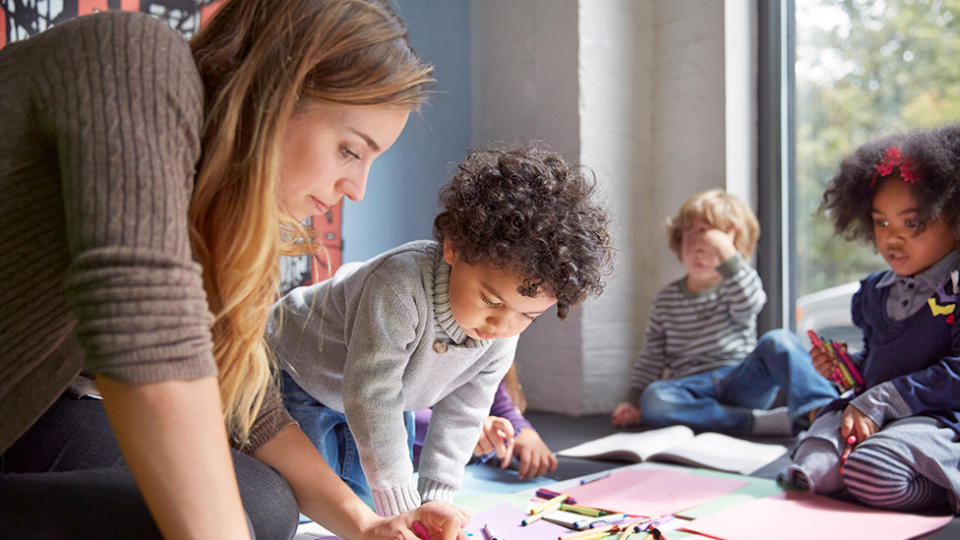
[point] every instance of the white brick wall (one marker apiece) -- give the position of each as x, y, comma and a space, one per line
635, 90
524, 71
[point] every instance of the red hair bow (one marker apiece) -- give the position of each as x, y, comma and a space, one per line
891, 159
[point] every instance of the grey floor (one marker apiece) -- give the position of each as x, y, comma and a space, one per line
560, 431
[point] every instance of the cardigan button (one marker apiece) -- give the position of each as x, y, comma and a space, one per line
439, 347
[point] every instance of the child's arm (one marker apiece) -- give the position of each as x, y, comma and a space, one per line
322, 496
456, 422
379, 339
742, 291
884, 402
935, 388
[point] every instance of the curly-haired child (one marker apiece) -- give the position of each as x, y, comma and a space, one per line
894, 443
435, 323
701, 364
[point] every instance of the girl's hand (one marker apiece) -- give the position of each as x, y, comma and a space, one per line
626, 414
857, 424
442, 520
496, 431
823, 362
535, 457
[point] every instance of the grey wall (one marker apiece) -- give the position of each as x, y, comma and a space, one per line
401, 198
634, 90
525, 75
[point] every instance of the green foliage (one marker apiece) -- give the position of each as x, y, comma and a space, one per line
865, 68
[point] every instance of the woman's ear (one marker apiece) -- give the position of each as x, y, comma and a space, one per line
449, 252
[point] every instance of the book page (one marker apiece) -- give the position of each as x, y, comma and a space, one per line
721, 452
631, 446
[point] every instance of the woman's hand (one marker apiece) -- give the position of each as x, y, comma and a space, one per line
626, 414
535, 456
442, 520
823, 362
495, 436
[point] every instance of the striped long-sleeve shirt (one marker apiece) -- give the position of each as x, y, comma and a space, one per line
691, 332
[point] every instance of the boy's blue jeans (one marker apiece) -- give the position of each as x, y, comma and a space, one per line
722, 399
327, 429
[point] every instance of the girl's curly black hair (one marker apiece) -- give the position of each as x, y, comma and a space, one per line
933, 161
526, 210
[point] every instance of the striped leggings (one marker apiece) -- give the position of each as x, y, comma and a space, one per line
878, 477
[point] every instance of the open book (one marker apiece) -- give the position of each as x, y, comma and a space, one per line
678, 444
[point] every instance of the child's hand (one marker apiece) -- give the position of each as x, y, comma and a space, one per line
823, 362
626, 414
721, 242
535, 456
857, 424
496, 432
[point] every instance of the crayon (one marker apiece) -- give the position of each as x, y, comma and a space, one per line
590, 534
421, 531
582, 510
595, 478
544, 509
545, 493
555, 501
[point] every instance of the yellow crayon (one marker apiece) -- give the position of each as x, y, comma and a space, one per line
554, 501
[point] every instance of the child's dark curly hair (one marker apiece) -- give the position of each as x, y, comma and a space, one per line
525, 209
932, 156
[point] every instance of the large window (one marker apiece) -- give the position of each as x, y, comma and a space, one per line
860, 69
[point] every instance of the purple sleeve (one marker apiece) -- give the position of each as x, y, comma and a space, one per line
421, 420
503, 407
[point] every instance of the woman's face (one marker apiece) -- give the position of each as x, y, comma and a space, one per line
327, 151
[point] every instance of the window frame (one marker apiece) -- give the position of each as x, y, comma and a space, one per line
776, 169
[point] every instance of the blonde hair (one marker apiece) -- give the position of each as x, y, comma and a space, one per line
258, 60
718, 209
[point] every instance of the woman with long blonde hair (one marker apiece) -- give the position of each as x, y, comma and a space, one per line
149, 187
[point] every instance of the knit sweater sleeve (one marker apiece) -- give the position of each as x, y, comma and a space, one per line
742, 291
270, 420
381, 338
124, 107
456, 424
936, 387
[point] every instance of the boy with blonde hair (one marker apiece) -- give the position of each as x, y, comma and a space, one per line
701, 364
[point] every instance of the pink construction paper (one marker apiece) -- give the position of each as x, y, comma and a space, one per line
505, 520
652, 492
802, 516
